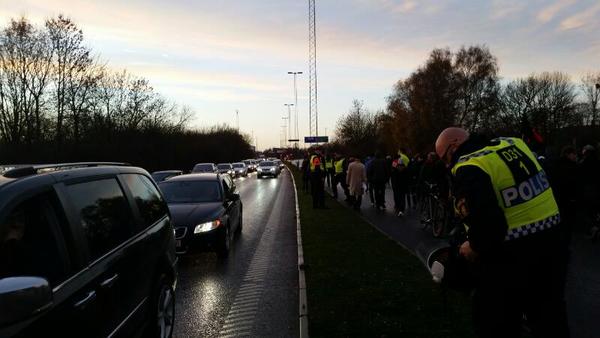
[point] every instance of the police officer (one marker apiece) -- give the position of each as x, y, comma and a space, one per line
513, 234
330, 171
340, 168
317, 180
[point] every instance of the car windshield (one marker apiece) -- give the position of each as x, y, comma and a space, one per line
267, 164
238, 165
202, 168
224, 166
191, 191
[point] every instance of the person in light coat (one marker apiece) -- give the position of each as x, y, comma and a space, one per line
356, 179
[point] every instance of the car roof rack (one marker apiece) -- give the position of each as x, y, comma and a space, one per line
29, 170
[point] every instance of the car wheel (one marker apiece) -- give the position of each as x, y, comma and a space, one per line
164, 310
225, 243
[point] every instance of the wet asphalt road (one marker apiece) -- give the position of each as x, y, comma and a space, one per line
254, 292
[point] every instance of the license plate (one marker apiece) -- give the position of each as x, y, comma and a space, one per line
178, 243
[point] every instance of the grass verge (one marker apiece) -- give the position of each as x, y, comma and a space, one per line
362, 284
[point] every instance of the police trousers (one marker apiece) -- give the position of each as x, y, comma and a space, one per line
523, 282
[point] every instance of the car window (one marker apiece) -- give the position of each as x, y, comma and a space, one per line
31, 241
104, 213
238, 165
224, 166
148, 199
203, 168
191, 191
266, 164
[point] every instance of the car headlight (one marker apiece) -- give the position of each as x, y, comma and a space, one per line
259, 169
208, 226
272, 169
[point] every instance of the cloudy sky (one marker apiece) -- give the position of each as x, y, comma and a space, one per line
228, 55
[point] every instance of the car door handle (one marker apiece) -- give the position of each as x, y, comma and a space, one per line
89, 297
107, 283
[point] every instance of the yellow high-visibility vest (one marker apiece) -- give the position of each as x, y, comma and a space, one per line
315, 161
329, 164
339, 166
522, 188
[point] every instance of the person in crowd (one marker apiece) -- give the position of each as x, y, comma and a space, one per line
317, 180
414, 168
356, 180
563, 178
306, 173
589, 174
513, 234
329, 169
399, 178
380, 175
370, 185
340, 166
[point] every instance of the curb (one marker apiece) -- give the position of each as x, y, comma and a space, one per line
303, 314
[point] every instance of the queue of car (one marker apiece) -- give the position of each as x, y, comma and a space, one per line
90, 249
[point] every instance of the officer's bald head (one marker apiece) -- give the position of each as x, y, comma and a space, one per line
448, 141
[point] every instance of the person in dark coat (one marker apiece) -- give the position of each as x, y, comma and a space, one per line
306, 173
589, 174
380, 175
563, 179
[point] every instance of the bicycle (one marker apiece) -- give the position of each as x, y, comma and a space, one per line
434, 210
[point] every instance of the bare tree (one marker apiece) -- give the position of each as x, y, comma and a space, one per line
546, 100
357, 130
476, 87
590, 86
24, 76
70, 57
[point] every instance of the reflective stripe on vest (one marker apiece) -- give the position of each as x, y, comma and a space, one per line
339, 166
522, 188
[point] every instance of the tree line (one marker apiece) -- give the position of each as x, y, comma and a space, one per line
463, 88
59, 102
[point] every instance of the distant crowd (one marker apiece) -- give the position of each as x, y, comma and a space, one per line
574, 177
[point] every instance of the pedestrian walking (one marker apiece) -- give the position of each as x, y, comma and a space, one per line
317, 180
380, 175
340, 166
513, 234
306, 173
329, 170
356, 180
400, 178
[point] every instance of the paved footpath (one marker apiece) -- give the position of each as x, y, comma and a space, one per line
583, 281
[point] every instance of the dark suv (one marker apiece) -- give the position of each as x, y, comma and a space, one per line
86, 250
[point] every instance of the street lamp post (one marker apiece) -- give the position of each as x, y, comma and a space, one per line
286, 129
288, 105
296, 136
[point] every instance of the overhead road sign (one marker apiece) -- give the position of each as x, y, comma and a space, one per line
316, 139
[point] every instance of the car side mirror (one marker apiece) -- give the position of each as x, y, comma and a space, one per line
23, 298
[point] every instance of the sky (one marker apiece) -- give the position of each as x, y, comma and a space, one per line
221, 56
